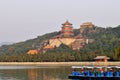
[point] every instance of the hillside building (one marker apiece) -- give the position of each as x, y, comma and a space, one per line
33, 52
101, 59
86, 25
78, 43
67, 30
66, 37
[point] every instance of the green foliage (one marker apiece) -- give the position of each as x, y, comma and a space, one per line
62, 53
106, 41
76, 31
117, 53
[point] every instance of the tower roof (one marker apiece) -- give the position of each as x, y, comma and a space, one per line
88, 23
67, 23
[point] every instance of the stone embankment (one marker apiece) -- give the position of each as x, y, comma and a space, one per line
60, 63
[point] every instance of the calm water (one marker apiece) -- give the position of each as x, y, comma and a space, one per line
34, 73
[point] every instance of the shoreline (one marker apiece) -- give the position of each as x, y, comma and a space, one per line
59, 63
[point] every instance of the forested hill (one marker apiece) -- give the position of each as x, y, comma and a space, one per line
105, 42
23, 47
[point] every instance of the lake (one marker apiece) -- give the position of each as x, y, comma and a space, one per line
34, 73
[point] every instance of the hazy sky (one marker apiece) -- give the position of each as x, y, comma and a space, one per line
26, 19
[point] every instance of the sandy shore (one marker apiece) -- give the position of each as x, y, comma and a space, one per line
61, 63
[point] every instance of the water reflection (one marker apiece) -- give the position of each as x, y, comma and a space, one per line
43, 73
33, 74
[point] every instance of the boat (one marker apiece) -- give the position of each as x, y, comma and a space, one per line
92, 78
95, 73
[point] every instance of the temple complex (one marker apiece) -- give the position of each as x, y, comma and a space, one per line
66, 37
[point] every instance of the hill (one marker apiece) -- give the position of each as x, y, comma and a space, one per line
23, 47
5, 43
105, 43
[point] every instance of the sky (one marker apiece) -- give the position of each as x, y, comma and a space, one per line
21, 20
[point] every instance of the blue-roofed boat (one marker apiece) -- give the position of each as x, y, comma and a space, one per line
95, 73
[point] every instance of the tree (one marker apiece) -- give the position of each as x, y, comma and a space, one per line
117, 53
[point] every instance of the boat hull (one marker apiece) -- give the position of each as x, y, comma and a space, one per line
93, 78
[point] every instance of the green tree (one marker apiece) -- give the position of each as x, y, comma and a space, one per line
117, 53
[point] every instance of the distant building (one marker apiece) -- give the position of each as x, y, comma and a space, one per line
78, 43
101, 58
33, 51
47, 47
86, 25
56, 42
67, 30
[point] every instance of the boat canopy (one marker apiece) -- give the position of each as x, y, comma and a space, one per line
77, 66
83, 67
117, 66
